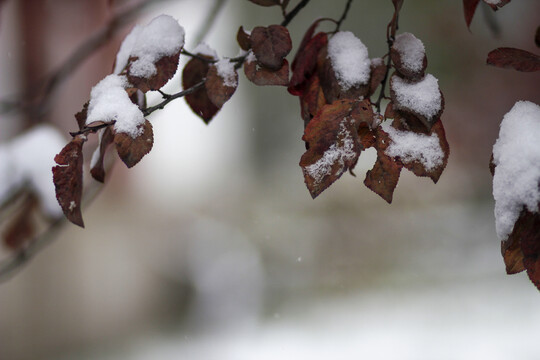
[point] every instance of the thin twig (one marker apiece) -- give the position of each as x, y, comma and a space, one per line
291, 15
197, 56
172, 97
344, 15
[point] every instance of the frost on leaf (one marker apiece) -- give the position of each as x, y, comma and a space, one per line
97, 170
221, 82
384, 176
333, 143
194, 72
270, 45
517, 59
262, 76
152, 53
131, 150
516, 189
422, 98
68, 179
409, 56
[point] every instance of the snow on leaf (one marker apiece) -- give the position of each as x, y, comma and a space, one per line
333, 143
517, 59
263, 76
109, 102
421, 98
68, 179
305, 61
132, 150
194, 72
97, 170
516, 156
409, 56
270, 45
349, 58
221, 82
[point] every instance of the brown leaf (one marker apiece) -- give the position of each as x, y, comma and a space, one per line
194, 72
21, 227
68, 179
270, 45
263, 76
333, 143
330, 84
219, 90
384, 176
305, 62
517, 59
469, 8
105, 139
266, 2
311, 99
243, 39
81, 116
378, 71
166, 68
132, 150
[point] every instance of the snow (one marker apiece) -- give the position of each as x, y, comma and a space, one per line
27, 161
340, 154
410, 147
349, 58
205, 50
163, 36
110, 102
422, 97
516, 153
377, 61
411, 51
251, 57
227, 72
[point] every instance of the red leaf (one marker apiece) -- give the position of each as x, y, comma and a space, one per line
194, 72
510, 58
97, 169
311, 99
68, 179
243, 39
132, 150
263, 76
305, 62
166, 68
378, 71
333, 143
218, 88
270, 45
469, 8
384, 176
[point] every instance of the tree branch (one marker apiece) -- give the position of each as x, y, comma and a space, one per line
169, 98
344, 15
292, 14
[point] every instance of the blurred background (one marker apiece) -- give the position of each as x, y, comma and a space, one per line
212, 248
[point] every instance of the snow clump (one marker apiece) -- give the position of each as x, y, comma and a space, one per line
350, 60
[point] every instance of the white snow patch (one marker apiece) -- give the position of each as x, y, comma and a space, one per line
422, 97
163, 36
205, 50
377, 61
109, 102
350, 61
124, 52
227, 72
411, 51
340, 154
516, 153
251, 57
28, 160
410, 146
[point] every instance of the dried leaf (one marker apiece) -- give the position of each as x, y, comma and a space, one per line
81, 116
219, 90
378, 73
270, 45
243, 39
312, 99
97, 169
305, 62
510, 58
68, 179
384, 176
21, 227
194, 72
166, 68
469, 8
333, 143
263, 76
132, 150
